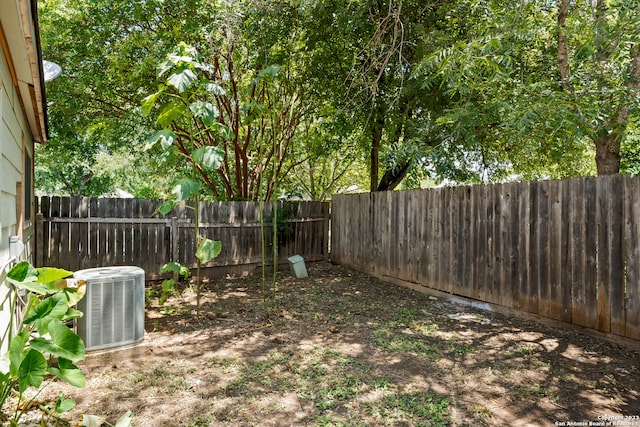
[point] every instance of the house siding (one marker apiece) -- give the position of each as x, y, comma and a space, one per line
16, 139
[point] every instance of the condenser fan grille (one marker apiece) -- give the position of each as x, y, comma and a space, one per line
113, 307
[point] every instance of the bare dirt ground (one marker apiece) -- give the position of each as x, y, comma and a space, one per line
344, 349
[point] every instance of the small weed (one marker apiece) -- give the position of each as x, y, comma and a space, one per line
328, 422
424, 408
483, 411
168, 311
428, 329
539, 391
238, 387
227, 364
535, 390
525, 351
280, 357
342, 391
394, 341
461, 349
380, 384
163, 379
202, 421
405, 316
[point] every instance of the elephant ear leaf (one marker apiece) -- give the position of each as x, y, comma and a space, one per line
64, 342
24, 276
51, 308
69, 372
32, 370
50, 274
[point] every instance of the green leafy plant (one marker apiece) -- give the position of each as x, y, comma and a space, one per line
188, 116
168, 285
206, 249
37, 343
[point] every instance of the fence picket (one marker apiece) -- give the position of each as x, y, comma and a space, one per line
590, 282
616, 263
603, 214
554, 282
632, 258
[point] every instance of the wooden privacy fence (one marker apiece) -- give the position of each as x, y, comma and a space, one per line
78, 233
566, 250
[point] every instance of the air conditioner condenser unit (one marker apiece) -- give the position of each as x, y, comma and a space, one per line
113, 307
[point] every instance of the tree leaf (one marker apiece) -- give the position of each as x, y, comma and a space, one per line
208, 250
166, 207
270, 72
183, 79
213, 88
184, 189
164, 67
32, 370
205, 111
209, 157
64, 342
203, 66
149, 101
170, 112
165, 137
170, 267
68, 372
225, 132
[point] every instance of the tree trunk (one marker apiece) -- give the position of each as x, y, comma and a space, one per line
393, 177
608, 154
377, 128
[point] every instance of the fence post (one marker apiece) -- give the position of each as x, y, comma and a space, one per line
175, 235
175, 249
39, 243
326, 207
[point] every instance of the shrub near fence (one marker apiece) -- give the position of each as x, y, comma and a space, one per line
78, 233
565, 250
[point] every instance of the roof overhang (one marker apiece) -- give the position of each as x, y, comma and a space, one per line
20, 40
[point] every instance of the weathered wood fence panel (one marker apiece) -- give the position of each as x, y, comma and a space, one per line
566, 250
78, 233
